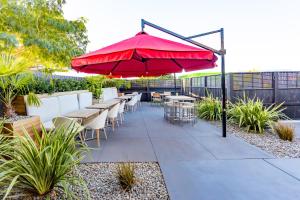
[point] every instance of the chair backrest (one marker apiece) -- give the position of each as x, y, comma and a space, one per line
122, 107
156, 95
48, 109
109, 93
68, 103
132, 101
65, 122
99, 121
139, 96
85, 99
113, 112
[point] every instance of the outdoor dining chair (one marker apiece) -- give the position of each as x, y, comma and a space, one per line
65, 122
131, 105
156, 99
113, 115
121, 111
139, 97
97, 124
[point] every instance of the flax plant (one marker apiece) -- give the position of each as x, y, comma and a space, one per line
253, 115
44, 166
210, 108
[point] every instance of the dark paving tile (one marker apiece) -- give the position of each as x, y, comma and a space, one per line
231, 148
290, 166
251, 179
176, 149
121, 149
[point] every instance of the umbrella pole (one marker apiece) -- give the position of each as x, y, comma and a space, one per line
175, 82
223, 86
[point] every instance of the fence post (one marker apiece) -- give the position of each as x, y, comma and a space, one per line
191, 86
230, 87
148, 91
205, 87
275, 86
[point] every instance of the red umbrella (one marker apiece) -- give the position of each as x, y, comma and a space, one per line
144, 55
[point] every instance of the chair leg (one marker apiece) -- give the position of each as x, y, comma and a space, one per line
98, 137
117, 122
104, 130
113, 124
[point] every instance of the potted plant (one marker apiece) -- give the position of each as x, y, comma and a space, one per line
12, 83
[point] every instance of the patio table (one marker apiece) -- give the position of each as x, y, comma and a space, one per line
181, 98
83, 114
104, 105
125, 97
130, 94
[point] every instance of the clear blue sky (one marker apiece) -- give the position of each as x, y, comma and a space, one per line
259, 34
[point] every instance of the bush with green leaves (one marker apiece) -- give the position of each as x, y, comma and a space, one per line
43, 166
210, 108
253, 115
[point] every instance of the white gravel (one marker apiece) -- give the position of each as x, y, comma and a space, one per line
101, 179
268, 142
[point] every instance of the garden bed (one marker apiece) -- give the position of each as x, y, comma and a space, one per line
268, 142
102, 182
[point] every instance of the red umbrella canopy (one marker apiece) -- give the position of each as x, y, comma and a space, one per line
144, 55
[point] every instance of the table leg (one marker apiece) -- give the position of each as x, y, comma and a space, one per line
98, 137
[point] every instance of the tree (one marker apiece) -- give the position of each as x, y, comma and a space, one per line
38, 31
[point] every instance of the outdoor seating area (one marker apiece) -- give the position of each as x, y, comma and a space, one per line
94, 106
63, 109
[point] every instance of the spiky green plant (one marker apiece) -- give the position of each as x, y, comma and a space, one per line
126, 175
33, 99
210, 108
44, 165
253, 115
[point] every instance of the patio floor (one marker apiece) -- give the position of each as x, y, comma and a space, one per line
196, 162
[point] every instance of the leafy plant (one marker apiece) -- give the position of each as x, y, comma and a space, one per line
10, 64
94, 84
284, 131
33, 99
10, 87
44, 165
253, 115
38, 31
126, 175
210, 108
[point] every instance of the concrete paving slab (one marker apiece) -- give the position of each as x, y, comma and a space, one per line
176, 149
122, 150
290, 166
250, 179
231, 148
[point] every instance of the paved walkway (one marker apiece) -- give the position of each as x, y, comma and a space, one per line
196, 162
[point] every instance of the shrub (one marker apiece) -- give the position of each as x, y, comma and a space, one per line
43, 166
252, 114
284, 131
210, 108
126, 175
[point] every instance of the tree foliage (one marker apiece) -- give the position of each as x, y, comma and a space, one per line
37, 30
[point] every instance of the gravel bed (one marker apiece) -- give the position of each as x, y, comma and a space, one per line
103, 184
268, 142
16, 118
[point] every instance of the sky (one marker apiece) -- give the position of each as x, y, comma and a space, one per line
260, 35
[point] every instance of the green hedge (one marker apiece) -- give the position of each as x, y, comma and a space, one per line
42, 85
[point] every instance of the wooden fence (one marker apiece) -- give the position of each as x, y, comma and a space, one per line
271, 87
